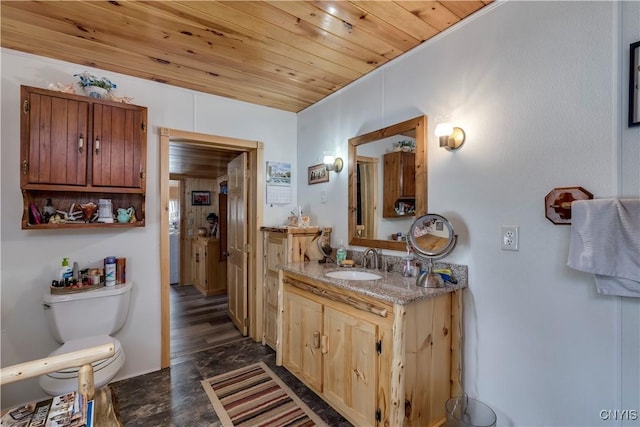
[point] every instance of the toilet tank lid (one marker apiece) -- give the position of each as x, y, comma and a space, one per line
105, 291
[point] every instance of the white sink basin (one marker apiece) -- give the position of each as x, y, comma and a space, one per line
352, 275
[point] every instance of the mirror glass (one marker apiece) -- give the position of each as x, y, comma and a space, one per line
387, 184
431, 236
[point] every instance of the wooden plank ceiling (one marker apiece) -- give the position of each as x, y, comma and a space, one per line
281, 54
198, 161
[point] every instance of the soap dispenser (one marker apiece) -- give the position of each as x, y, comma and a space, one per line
341, 254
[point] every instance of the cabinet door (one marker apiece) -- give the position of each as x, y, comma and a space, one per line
275, 252
270, 310
399, 181
302, 329
408, 187
350, 374
54, 140
119, 139
200, 267
216, 274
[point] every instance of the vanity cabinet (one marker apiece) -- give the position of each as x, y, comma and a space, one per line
282, 245
377, 363
333, 350
76, 149
399, 184
209, 273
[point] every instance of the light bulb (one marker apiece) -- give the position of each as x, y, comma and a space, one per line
443, 129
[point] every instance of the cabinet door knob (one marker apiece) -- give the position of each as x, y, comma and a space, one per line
97, 145
324, 344
316, 339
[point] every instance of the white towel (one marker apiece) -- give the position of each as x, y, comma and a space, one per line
605, 241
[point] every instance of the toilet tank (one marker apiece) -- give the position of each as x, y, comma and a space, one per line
85, 314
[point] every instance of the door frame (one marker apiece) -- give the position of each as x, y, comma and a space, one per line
255, 204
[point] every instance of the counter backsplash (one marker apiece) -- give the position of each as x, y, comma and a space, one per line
394, 262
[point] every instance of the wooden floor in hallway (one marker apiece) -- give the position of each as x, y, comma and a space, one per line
198, 322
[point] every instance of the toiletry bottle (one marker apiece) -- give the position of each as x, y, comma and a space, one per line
110, 271
341, 254
66, 272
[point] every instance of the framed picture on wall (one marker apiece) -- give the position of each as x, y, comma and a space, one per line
200, 198
634, 84
317, 174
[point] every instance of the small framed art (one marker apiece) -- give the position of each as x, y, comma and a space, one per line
200, 198
317, 174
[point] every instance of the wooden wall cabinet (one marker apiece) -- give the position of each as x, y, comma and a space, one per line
282, 245
209, 273
399, 183
75, 149
377, 363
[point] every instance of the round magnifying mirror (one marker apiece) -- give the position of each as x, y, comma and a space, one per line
431, 237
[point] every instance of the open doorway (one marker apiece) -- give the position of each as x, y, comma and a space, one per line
254, 204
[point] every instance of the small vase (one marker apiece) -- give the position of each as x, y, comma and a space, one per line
96, 92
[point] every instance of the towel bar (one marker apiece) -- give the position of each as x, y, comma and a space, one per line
557, 203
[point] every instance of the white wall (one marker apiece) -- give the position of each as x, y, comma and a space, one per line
30, 258
540, 89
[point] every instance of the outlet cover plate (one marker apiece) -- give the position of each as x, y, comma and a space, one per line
509, 238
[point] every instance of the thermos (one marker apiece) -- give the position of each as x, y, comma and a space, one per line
110, 271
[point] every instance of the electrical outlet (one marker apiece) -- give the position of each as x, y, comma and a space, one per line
509, 238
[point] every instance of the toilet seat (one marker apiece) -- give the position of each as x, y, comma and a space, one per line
81, 344
66, 380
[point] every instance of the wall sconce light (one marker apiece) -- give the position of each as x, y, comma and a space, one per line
450, 137
332, 163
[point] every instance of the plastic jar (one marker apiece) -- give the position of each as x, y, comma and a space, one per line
110, 271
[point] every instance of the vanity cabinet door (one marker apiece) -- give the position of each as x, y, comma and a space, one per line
350, 374
302, 330
55, 137
119, 140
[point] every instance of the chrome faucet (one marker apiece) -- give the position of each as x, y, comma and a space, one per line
366, 255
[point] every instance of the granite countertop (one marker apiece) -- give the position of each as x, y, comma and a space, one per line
392, 287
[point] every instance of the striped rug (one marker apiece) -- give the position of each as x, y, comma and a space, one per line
254, 396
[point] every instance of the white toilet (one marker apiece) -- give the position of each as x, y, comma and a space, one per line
82, 320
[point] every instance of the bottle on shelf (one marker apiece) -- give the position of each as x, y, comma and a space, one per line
66, 272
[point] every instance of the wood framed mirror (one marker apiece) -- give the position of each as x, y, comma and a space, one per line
387, 191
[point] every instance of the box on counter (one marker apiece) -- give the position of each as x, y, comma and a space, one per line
299, 221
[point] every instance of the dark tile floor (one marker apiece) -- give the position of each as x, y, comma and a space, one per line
175, 397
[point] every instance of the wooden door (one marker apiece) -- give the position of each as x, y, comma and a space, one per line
54, 140
302, 330
351, 383
119, 136
237, 242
